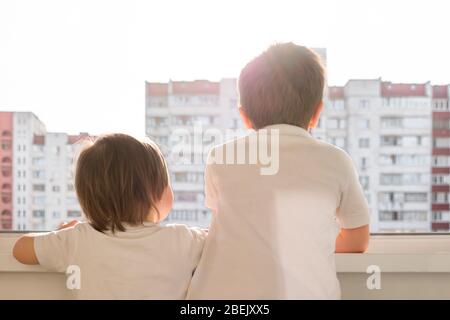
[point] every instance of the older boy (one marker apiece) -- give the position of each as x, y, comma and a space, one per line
273, 236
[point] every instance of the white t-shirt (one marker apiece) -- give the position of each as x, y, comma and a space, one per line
273, 236
145, 262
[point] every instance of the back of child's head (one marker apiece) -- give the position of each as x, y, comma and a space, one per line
283, 85
119, 180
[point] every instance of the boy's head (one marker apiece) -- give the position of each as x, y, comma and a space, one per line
283, 85
120, 180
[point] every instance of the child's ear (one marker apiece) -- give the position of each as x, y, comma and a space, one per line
315, 118
247, 123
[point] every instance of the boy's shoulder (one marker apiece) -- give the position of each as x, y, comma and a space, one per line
331, 148
321, 147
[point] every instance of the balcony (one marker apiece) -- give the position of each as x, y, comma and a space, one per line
440, 207
438, 226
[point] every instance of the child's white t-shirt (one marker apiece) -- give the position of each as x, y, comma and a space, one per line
273, 236
151, 261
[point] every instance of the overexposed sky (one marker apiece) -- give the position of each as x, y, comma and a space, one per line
81, 65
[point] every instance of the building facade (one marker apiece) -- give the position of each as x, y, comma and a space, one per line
182, 116
387, 130
441, 159
37, 174
6, 177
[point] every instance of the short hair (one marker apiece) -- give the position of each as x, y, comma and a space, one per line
118, 180
283, 85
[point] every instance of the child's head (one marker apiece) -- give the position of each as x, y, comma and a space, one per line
120, 180
283, 85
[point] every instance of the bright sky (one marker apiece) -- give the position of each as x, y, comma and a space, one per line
81, 65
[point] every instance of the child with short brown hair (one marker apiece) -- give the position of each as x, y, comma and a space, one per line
121, 251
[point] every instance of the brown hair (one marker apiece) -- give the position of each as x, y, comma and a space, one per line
119, 180
284, 84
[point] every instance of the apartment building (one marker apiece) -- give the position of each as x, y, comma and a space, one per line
54, 199
441, 159
182, 116
386, 129
37, 176
6, 180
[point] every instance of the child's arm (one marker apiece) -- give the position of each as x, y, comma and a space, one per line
23, 249
353, 240
353, 213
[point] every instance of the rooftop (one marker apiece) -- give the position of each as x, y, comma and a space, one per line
196, 87
440, 92
389, 89
336, 93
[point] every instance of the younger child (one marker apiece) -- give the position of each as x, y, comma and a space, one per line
274, 232
121, 252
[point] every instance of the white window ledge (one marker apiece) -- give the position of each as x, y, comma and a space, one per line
412, 267
398, 253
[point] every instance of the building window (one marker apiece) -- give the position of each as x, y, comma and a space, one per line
441, 161
364, 104
390, 141
393, 122
39, 187
405, 122
73, 214
416, 197
441, 215
38, 213
405, 159
415, 141
38, 174
403, 216
363, 162
71, 201
364, 181
6, 213
336, 123
39, 200
184, 215
336, 104
363, 124
6, 186
441, 142
38, 161
6, 160
364, 143
6, 197
6, 145
185, 196
439, 179
440, 197
398, 179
